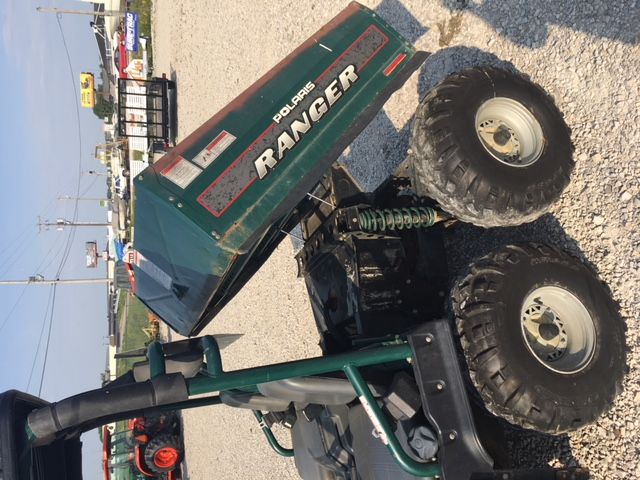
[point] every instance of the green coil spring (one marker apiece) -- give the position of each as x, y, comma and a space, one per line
377, 220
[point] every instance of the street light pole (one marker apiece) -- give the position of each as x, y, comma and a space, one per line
94, 199
60, 223
106, 13
39, 280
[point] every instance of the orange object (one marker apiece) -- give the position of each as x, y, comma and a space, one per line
106, 446
166, 457
140, 463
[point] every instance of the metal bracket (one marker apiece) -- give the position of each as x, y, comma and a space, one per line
271, 438
445, 401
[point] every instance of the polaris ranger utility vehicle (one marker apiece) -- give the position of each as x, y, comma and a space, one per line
532, 333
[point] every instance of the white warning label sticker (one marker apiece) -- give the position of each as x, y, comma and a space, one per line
212, 151
377, 427
181, 172
153, 270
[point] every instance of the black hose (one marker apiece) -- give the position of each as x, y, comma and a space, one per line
104, 405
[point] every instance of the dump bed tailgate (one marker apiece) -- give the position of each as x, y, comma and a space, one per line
210, 211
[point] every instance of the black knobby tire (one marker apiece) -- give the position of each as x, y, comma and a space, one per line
512, 382
452, 166
157, 443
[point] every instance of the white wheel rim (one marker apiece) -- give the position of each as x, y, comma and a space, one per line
509, 132
558, 330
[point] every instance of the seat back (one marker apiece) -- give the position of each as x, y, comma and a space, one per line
19, 460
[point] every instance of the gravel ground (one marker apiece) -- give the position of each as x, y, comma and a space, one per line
585, 54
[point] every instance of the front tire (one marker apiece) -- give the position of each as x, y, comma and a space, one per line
542, 337
491, 148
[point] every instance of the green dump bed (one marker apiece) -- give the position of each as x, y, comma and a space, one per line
211, 211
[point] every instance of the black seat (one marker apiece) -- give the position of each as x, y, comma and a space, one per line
60, 460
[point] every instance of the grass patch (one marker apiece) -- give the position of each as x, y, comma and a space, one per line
133, 337
143, 9
121, 299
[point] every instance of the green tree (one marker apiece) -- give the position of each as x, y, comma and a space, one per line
103, 108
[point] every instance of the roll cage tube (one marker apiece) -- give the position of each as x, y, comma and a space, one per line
42, 426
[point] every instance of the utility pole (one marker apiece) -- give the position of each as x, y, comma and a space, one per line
40, 280
106, 13
60, 223
93, 199
96, 30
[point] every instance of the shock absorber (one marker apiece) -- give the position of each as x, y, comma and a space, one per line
377, 220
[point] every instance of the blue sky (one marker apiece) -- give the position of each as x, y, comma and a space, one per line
39, 142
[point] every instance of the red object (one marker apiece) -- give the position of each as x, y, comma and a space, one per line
106, 447
122, 63
132, 280
392, 66
140, 463
166, 457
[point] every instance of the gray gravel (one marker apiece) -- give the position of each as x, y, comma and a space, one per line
585, 54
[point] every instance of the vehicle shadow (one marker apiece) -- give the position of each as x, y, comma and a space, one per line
173, 108
446, 61
466, 242
527, 23
381, 143
403, 20
513, 447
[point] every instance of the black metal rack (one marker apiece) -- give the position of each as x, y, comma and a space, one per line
143, 108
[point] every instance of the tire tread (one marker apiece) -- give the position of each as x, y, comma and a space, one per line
435, 160
513, 399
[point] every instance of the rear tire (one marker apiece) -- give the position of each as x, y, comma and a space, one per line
542, 337
491, 148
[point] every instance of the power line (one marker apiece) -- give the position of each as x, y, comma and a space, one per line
46, 350
35, 357
6, 319
20, 241
12, 254
16, 254
12, 246
78, 123
37, 269
26, 227
43, 268
15, 305
71, 236
84, 192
